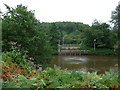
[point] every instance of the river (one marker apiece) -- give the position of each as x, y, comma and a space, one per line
86, 63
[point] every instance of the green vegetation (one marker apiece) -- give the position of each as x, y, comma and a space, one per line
100, 51
104, 52
33, 43
41, 39
19, 75
20, 27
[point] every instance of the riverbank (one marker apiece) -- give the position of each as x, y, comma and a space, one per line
104, 52
91, 51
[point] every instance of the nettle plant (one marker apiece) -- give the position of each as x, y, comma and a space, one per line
17, 56
21, 57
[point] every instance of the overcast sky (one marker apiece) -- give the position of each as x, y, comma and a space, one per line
67, 10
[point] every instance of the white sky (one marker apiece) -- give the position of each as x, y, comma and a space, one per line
67, 10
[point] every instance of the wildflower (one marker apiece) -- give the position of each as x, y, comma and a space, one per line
31, 58
40, 68
44, 71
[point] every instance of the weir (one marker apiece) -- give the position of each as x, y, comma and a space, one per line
71, 49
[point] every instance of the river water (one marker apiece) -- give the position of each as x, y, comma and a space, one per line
86, 63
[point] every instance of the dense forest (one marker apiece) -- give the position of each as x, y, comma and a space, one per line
21, 28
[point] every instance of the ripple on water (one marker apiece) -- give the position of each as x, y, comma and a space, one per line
74, 62
76, 59
88, 63
68, 58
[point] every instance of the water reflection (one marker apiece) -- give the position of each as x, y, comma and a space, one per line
86, 63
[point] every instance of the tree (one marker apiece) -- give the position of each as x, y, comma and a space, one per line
21, 26
40, 48
18, 25
55, 36
116, 28
116, 18
103, 35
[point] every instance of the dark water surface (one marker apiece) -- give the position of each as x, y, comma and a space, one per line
98, 64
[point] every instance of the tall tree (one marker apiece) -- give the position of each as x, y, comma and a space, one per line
116, 22
102, 34
55, 36
18, 25
116, 18
21, 26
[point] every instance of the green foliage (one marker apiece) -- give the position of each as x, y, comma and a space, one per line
71, 31
19, 58
14, 56
103, 51
76, 80
116, 18
40, 48
55, 37
110, 78
40, 40
116, 25
103, 35
20, 81
18, 25
56, 78
21, 26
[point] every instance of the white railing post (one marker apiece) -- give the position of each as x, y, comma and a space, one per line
59, 47
94, 44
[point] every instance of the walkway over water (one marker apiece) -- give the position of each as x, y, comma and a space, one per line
71, 49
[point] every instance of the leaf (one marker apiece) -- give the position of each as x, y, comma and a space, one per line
33, 79
60, 87
43, 82
34, 84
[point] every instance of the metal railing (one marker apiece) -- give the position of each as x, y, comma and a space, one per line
70, 45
